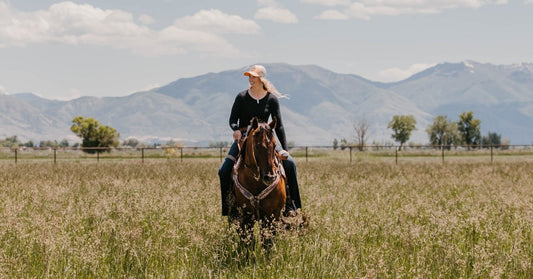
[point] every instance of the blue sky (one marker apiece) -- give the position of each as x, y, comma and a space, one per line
68, 49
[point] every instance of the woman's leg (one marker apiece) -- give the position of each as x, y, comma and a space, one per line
292, 180
224, 173
290, 170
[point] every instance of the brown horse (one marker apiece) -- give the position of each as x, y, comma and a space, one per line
259, 178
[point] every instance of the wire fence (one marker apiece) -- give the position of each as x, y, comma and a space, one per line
488, 153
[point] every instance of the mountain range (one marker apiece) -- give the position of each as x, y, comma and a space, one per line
322, 105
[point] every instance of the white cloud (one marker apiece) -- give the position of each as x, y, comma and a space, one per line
178, 40
151, 86
431, 4
397, 74
73, 93
528, 1
328, 2
273, 11
333, 15
218, 22
3, 91
267, 3
275, 14
366, 9
146, 19
71, 23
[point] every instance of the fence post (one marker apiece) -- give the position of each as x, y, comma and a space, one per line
55, 150
16, 155
220, 153
442, 150
396, 155
306, 154
142, 155
181, 154
491, 158
350, 154
98, 155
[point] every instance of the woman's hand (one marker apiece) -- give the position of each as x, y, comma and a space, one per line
237, 135
284, 154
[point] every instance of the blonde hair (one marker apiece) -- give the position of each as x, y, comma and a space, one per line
267, 85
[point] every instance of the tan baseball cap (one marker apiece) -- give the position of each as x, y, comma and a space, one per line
256, 71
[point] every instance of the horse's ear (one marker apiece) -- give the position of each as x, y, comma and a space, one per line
273, 123
255, 123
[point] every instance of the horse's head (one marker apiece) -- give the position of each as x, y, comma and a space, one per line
262, 145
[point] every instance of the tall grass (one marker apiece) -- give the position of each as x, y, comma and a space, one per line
367, 219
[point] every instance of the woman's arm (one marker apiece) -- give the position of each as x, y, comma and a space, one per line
280, 130
234, 115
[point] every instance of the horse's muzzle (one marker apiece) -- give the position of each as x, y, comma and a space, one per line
268, 178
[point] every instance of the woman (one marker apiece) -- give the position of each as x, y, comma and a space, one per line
259, 100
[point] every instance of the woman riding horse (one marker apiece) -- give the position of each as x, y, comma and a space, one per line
259, 100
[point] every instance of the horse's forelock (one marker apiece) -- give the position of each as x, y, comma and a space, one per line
267, 137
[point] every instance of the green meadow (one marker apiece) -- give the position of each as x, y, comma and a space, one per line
367, 219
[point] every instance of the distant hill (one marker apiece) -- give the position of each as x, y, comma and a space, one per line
500, 96
322, 105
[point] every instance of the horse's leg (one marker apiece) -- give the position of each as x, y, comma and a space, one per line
246, 230
268, 229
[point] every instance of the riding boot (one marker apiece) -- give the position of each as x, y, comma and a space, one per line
224, 193
292, 183
225, 185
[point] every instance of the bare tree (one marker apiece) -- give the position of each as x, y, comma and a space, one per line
361, 128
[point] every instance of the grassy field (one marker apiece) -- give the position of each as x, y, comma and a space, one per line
368, 218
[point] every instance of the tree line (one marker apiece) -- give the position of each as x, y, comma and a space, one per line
94, 136
13, 141
442, 133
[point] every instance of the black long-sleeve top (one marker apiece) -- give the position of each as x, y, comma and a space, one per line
245, 108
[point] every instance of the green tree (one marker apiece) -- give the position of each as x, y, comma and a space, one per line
132, 142
402, 125
218, 144
173, 143
93, 134
344, 144
443, 132
491, 139
64, 143
10, 142
469, 129
29, 144
335, 144
48, 143
291, 144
